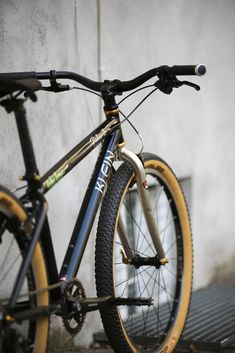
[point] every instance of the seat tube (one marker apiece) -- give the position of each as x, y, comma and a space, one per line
25, 140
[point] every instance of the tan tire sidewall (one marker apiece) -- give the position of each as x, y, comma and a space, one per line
170, 180
173, 185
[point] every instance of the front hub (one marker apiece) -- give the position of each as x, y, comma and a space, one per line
139, 261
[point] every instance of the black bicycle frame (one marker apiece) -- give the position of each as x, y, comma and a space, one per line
94, 192
89, 207
109, 132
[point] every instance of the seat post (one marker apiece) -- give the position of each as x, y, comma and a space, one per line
25, 140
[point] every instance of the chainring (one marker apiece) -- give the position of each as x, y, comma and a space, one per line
73, 319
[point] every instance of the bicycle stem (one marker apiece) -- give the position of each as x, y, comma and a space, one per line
142, 186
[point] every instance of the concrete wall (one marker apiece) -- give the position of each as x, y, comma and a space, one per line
45, 35
193, 131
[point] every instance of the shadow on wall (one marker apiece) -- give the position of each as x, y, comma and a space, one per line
224, 273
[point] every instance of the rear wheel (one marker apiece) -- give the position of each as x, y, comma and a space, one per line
155, 328
28, 335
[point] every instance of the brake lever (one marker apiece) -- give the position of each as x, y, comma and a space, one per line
56, 88
166, 84
190, 84
177, 83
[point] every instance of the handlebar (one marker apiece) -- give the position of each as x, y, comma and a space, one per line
123, 86
176, 70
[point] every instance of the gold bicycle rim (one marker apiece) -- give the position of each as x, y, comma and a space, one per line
170, 180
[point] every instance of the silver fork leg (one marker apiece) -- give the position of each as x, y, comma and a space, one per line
126, 251
143, 191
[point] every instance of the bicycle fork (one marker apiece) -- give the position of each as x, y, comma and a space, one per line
142, 186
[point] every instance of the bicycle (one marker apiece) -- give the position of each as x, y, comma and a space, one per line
143, 255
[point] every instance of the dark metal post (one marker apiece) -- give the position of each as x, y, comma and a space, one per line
25, 140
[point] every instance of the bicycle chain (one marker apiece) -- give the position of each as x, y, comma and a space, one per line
48, 288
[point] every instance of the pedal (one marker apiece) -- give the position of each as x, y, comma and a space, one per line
132, 301
97, 300
92, 304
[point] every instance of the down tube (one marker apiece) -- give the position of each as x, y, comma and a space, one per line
71, 264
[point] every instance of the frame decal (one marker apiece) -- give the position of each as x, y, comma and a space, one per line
57, 172
101, 182
55, 177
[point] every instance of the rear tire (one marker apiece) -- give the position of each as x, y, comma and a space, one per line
29, 335
141, 328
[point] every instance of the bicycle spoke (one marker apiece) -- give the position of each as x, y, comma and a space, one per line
164, 230
6, 254
164, 284
127, 281
138, 237
145, 287
144, 236
158, 198
9, 268
154, 306
158, 306
170, 247
137, 252
117, 285
170, 271
141, 306
154, 285
162, 287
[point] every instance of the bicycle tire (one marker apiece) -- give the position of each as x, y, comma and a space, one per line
156, 328
28, 336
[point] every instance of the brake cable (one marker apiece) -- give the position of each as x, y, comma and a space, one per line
126, 118
137, 90
165, 84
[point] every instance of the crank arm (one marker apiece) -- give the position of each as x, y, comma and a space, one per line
84, 306
31, 314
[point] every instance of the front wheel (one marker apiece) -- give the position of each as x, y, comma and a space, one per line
153, 328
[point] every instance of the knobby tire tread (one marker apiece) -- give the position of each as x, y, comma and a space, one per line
104, 251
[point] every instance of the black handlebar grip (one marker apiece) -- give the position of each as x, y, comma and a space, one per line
17, 75
198, 70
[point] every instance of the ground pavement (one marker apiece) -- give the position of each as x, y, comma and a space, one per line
91, 350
